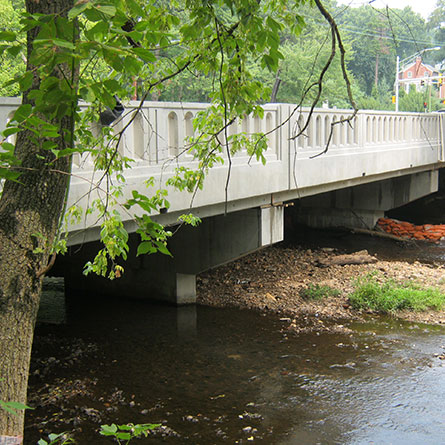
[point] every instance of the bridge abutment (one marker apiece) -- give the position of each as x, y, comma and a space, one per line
363, 205
217, 240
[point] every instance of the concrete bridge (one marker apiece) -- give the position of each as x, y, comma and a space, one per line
381, 161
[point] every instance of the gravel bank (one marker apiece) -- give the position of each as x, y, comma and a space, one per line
272, 280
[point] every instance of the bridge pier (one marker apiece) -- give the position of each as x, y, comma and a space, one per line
363, 205
217, 240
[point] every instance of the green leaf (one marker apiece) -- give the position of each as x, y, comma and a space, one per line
162, 248
108, 430
13, 407
9, 36
18, 405
14, 50
108, 10
52, 437
78, 9
145, 54
25, 81
10, 130
135, 8
93, 14
63, 43
145, 247
22, 113
133, 66
49, 145
7, 146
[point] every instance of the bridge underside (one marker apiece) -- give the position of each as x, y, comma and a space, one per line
217, 240
221, 239
363, 205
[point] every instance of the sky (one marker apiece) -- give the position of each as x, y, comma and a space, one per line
423, 7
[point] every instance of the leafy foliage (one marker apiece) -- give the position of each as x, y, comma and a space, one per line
56, 439
415, 100
95, 52
12, 48
376, 37
13, 407
125, 433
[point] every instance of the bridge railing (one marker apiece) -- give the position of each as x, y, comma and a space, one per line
366, 129
159, 131
374, 144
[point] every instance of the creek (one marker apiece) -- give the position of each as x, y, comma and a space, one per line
225, 376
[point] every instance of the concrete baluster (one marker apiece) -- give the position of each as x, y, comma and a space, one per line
271, 135
343, 141
368, 139
358, 127
188, 133
318, 131
379, 135
173, 134
326, 129
136, 135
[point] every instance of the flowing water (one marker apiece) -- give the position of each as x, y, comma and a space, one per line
220, 376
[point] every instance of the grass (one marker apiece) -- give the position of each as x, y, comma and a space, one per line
391, 296
318, 292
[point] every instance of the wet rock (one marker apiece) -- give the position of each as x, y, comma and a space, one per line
350, 365
190, 418
250, 416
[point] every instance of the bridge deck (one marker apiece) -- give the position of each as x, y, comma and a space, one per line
377, 145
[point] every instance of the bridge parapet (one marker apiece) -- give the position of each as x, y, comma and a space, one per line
375, 145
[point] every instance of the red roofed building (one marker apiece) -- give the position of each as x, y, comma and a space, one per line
419, 74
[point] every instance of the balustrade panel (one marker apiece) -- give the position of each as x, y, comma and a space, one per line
160, 131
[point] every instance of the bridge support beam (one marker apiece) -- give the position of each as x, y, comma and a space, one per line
363, 205
217, 240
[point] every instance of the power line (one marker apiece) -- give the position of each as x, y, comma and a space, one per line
370, 33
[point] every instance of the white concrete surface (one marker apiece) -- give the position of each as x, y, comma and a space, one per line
378, 145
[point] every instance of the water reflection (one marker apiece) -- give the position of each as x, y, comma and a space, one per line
217, 376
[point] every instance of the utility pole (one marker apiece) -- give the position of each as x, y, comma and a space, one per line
397, 82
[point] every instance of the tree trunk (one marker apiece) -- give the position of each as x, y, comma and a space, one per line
31, 207
276, 86
376, 74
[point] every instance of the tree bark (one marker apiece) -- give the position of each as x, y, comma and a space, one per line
276, 86
31, 207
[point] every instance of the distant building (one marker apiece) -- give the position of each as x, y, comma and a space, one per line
418, 73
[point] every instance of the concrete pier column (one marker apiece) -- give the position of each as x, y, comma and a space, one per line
185, 288
217, 240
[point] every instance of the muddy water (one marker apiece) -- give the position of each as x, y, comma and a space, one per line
215, 376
